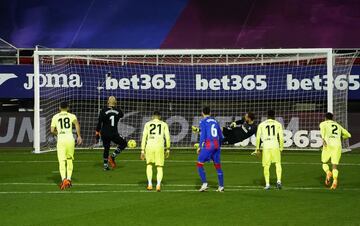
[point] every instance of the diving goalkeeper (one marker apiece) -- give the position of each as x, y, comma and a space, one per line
238, 130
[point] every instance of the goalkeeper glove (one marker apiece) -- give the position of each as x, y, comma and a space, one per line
97, 136
233, 125
195, 129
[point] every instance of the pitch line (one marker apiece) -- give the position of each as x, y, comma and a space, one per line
120, 185
176, 161
169, 191
227, 188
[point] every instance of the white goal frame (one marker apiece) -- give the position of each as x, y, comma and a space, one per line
166, 52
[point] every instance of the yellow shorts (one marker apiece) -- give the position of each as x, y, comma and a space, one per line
271, 156
65, 149
333, 153
155, 157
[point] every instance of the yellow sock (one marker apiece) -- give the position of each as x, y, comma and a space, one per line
149, 173
325, 167
267, 174
160, 173
69, 168
335, 173
62, 169
278, 171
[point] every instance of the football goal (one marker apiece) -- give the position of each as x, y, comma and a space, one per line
299, 84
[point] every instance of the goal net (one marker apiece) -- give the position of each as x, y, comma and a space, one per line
178, 83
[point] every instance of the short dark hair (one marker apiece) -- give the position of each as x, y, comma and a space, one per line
206, 110
329, 115
64, 105
271, 114
156, 113
251, 115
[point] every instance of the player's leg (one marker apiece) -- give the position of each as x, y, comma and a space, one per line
335, 159
226, 133
231, 136
266, 162
69, 161
121, 142
150, 161
217, 164
203, 157
61, 154
276, 158
159, 162
106, 143
325, 157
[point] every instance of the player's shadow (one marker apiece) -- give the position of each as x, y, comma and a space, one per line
259, 182
54, 178
320, 179
57, 180
100, 165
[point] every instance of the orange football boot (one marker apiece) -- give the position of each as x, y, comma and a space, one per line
111, 161
328, 178
334, 185
158, 188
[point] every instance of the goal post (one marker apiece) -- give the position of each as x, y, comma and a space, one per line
179, 82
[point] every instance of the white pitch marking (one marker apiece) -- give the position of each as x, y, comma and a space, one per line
166, 191
177, 161
228, 187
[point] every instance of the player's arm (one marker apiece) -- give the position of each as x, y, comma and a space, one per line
143, 142
78, 133
202, 134
202, 137
53, 126
98, 127
121, 114
167, 140
258, 138
281, 137
257, 142
220, 134
345, 134
237, 122
322, 133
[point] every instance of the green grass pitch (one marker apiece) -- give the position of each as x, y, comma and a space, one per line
29, 194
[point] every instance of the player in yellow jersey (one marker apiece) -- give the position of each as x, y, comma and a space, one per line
331, 133
61, 126
152, 147
270, 133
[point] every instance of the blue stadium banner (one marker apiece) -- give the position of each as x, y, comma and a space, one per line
166, 82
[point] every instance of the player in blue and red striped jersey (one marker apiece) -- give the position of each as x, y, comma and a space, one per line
210, 148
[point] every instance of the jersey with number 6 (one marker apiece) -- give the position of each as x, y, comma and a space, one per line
210, 134
108, 121
332, 132
155, 134
63, 122
270, 132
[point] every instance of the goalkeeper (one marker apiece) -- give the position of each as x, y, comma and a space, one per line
238, 130
107, 129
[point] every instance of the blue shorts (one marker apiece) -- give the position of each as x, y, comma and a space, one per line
206, 155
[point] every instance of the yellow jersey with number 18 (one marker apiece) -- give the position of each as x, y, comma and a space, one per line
63, 122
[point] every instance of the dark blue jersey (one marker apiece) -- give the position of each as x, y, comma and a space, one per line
210, 135
108, 121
